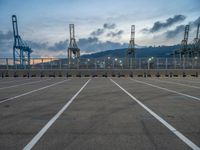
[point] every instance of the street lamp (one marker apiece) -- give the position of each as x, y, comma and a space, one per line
115, 60
87, 62
149, 60
121, 63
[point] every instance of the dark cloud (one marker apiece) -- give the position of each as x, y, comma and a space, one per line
100, 31
37, 45
93, 44
90, 40
173, 33
58, 46
6, 44
162, 25
6, 36
109, 26
196, 22
97, 32
145, 30
62, 45
180, 29
115, 34
90, 44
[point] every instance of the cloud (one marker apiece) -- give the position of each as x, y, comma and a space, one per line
109, 26
100, 31
6, 44
97, 32
115, 34
39, 48
145, 30
44, 49
90, 44
58, 49
196, 22
6, 36
180, 29
173, 33
87, 45
37, 45
93, 44
162, 25
61, 45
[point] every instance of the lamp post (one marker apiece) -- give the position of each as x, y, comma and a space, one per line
149, 61
88, 60
107, 62
121, 63
115, 60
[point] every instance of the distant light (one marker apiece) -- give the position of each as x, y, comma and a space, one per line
115, 59
88, 60
108, 57
195, 57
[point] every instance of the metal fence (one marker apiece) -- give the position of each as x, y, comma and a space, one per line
104, 63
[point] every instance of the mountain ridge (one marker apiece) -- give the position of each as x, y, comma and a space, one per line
160, 51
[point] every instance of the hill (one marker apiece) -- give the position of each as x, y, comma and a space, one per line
160, 51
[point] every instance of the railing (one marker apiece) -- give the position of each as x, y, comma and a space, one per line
104, 63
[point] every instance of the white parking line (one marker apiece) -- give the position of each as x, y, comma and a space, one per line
165, 89
191, 86
37, 137
166, 124
23, 84
42, 88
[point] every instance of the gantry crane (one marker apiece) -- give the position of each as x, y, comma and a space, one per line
21, 51
184, 50
131, 48
73, 50
196, 44
130, 52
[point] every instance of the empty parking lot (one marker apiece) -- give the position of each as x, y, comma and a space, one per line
100, 113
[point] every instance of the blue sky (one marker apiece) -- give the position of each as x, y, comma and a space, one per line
44, 23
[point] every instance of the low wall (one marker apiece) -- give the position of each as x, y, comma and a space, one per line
101, 73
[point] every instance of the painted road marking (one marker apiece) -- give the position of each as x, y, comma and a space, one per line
37, 137
166, 124
196, 87
23, 84
42, 88
165, 89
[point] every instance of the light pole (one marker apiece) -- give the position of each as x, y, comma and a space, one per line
114, 62
149, 61
121, 63
108, 63
88, 60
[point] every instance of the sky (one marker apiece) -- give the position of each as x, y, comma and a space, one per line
99, 24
